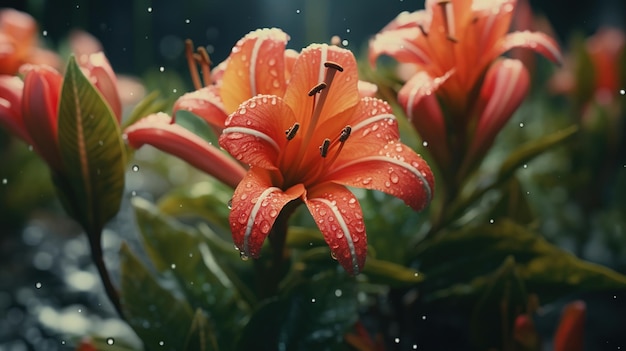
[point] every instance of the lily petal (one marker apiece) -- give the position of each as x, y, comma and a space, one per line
99, 70
338, 215
255, 66
11, 88
399, 44
570, 332
395, 169
42, 88
417, 97
157, 130
205, 103
309, 71
255, 206
254, 135
537, 41
505, 87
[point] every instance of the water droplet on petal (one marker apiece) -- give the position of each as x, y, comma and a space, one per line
230, 203
333, 256
243, 256
394, 178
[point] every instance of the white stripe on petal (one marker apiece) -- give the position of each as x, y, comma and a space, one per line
371, 120
253, 214
252, 68
346, 232
252, 132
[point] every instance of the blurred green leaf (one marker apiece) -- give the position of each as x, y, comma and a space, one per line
584, 72
161, 320
206, 199
304, 238
196, 125
92, 150
504, 298
313, 316
456, 264
201, 336
182, 251
390, 274
513, 204
150, 104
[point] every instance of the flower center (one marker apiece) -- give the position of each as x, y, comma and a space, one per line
195, 59
329, 149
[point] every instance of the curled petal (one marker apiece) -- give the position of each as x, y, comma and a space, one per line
503, 90
401, 44
42, 88
338, 215
395, 169
83, 43
255, 133
11, 88
570, 332
255, 206
417, 97
407, 19
158, 131
367, 89
206, 103
539, 42
255, 66
101, 74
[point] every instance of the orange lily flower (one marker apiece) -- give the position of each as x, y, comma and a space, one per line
308, 145
569, 335
18, 42
29, 108
454, 46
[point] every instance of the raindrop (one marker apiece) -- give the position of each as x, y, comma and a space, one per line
491, 221
173, 265
80, 310
110, 341
161, 343
394, 178
4, 181
62, 342
230, 204
162, 69
135, 168
622, 91
396, 340
243, 256
190, 255
333, 256
45, 34
525, 166
174, 90
425, 143
297, 11
344, 42
387, 184
149, 9
348, 30
187, 20
414, 345
38, 285
133, 193
313, 300
521, 124
338, 292
423, 318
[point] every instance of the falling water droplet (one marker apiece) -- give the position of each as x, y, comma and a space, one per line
313, 300
414, 346
338, 292
521, 124
38, 285
423, 318
110, 341
622, 92
425, 143
243, 256
133, 193
4, 181
135, 168
297, 11
491, 221
161, 69
45, 34
149, 9
230, 204
173, 265
187, 20
333, 256
161, 343
396, 340
525, 166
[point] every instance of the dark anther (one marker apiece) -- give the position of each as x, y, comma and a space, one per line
324, 147
345, 133
316, 89
291, 132
331, 64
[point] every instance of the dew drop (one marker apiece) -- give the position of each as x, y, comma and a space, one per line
38, 285
149, 9
135, 168
344, 42
110, 341
162, 69
242, 111
333, 256
521, 124
394, 178
387, 184
338, 292
425, 143
367, 181
396, 340
273, 213
313, 300
243, 256
491, 221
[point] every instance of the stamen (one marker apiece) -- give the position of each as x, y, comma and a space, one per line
316, 89
345, 133
205, 65
324, 147
422, 29
291, 132
193, 69
448, 16
334, 65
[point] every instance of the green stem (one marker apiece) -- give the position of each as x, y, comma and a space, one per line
98, 260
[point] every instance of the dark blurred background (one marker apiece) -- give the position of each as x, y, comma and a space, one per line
138, 35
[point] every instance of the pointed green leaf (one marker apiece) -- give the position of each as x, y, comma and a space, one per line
183, 252
456, 263
160, 320
150, 104
201, 337
92, 151
313, 316
390, 274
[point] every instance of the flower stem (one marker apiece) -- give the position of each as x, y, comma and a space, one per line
98, 259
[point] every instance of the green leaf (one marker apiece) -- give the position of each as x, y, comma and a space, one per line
207, 199
160, 320
183, 252
92, 151
455, 264
390, 274
512, 204
313, 316
201, 337
150, 104
196, 125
